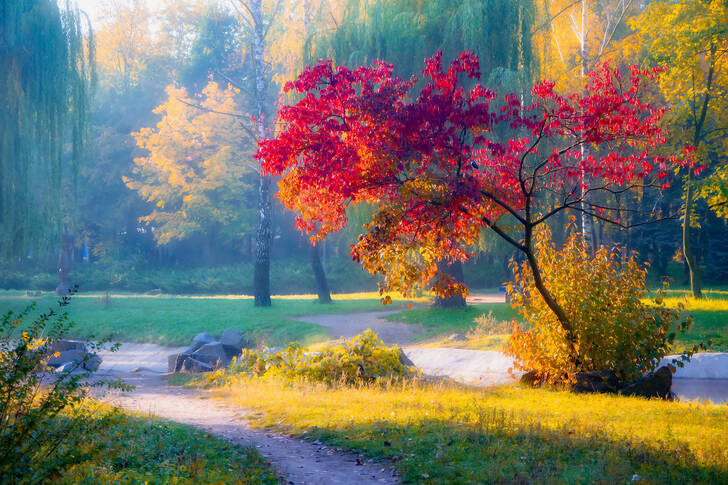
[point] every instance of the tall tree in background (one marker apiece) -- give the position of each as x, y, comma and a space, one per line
257, 21
690, 37
192, 174
47, 73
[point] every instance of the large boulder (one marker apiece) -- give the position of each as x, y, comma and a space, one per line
596, 381
192, 365
72, 352
175, 361
234, 341
198, 341
212, 354
656, 384
531, 379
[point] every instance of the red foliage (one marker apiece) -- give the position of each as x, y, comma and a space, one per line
439, 166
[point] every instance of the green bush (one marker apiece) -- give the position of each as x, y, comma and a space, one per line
605, 298
362, 359
36, 441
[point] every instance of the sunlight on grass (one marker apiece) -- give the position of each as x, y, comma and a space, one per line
439, 432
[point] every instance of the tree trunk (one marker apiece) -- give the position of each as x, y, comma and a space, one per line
455, 270
261, 277
693, 268
322, 286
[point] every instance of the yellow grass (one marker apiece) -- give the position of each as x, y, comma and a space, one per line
436, 432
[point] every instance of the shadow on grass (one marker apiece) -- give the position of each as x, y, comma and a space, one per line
499, 447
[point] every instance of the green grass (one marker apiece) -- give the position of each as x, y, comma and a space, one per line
442, 433
174, 320
710, 322
440, 321
138, 450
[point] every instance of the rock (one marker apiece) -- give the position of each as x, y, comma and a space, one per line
596, 381
212, 354
198, 341
175, 361
404, 360
58, 358
63, 345
68, 367
193, 365
234, 342
656, 384
530, 379
457, 337
92, 362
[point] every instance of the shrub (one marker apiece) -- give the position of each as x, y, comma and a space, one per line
36, 440
604, 296
362, 359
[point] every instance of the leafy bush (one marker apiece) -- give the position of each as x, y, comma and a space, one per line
603, 296
362, 359
36, 441
487, 324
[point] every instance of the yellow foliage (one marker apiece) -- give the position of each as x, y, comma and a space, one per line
195, 172
602, 295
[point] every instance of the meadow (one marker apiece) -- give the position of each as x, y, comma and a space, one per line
138, 449
445, 433
175, 320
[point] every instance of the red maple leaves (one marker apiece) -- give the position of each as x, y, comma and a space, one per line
438, 165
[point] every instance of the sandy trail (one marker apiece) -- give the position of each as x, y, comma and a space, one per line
298, 461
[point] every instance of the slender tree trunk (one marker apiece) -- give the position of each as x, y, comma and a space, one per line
455, 270
322, 286
548, 298
261, 277
693, 267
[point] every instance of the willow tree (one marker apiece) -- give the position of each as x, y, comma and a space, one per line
44, 90
404, 32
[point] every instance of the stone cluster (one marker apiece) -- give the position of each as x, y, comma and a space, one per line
207, 353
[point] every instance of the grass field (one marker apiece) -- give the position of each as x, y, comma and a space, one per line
442, 433
174, 320
710, 322
138, 450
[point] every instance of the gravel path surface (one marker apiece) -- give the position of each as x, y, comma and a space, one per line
298, 461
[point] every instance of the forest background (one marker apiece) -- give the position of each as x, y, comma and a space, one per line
165, 194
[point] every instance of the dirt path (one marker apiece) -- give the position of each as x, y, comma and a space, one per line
298, 461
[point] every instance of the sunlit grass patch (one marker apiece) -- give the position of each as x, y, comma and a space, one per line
441, 433
138, 450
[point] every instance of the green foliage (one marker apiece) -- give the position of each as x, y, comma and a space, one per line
35, 443
44, 91
362, 359
602, 295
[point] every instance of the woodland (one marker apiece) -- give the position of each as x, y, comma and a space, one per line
152, 179
403, 241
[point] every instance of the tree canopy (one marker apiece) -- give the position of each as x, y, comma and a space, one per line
44, 96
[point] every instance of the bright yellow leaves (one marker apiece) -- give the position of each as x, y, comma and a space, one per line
197, 172
602, 294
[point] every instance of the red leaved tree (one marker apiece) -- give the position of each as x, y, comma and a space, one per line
439, 165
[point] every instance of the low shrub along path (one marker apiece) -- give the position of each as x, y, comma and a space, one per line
298, 461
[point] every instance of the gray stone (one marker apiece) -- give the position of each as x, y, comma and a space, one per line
175, 361
58, 358
212, 354
234, 341
193, 365
656, 384
457, 337
596, 381
68, 367
404, 360
198, 341
63, 345
92, 362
